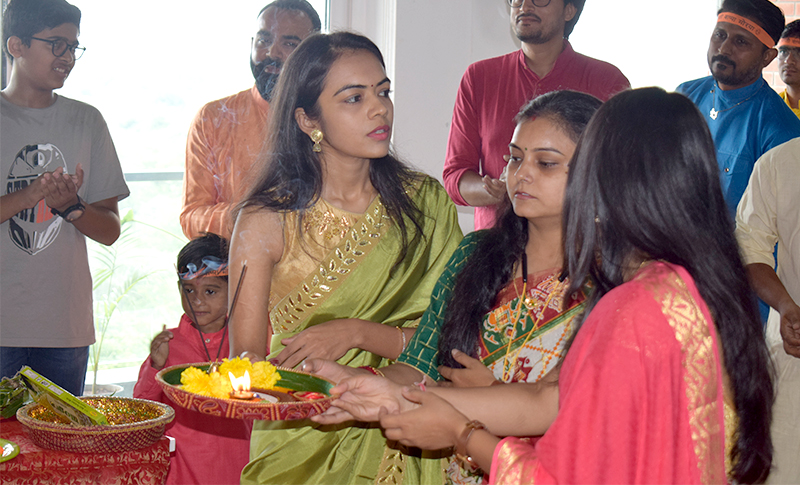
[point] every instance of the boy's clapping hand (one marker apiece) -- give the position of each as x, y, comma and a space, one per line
60, 189
159, 348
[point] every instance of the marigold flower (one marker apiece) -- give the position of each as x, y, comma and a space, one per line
263, 375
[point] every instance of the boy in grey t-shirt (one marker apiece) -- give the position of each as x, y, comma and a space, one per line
61, 183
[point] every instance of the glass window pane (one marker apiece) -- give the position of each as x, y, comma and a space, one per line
149, 67
136, 292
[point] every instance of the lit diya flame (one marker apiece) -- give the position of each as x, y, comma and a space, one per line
241, 386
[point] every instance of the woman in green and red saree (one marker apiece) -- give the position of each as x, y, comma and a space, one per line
499, 313
343, 244
500, 299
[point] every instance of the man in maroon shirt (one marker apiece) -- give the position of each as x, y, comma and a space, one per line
493, 90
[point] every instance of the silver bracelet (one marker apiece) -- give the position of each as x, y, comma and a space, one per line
403, 336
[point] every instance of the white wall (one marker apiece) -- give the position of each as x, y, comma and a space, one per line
653, 43
435, 40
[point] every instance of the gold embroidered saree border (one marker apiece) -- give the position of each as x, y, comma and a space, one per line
700, 372
392, 468
394, 464
510, 466
316, 288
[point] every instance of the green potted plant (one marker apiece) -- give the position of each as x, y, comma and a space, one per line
113, 280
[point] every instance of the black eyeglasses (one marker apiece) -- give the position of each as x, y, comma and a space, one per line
60, 47
536, 3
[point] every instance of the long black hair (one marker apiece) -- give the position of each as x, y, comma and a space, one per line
645, 181
491, 266
292, 177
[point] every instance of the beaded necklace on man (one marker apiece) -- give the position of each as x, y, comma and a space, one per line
714, 113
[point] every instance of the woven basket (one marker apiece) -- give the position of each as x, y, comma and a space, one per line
139, 423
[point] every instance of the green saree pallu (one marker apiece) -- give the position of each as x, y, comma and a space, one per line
347, 267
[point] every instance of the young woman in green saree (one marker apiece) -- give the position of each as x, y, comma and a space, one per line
499, 313
342, 243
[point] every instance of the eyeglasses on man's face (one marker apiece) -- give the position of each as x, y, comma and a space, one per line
785, 52
60, 47
536, 3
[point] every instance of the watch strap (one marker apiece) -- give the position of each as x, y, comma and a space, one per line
78, 206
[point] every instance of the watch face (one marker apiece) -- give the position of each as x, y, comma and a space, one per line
74, 214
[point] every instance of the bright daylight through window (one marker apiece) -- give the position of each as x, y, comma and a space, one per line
149, 68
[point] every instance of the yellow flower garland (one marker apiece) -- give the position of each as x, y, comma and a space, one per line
263, 375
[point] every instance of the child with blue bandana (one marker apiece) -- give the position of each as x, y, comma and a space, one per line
209, 449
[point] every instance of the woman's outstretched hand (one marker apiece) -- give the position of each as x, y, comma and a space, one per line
331, 370
363, 398
329, 340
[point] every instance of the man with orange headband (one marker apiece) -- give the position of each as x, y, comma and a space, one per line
789, 64
745, 116
493, 90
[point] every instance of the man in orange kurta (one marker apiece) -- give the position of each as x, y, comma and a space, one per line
227, 135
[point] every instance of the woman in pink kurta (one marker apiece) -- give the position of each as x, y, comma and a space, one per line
641, 393
667, 379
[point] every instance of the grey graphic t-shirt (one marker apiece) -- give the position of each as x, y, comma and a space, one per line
45, 284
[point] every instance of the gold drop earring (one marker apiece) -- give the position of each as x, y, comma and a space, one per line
316, 137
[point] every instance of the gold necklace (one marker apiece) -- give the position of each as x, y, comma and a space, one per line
524, 300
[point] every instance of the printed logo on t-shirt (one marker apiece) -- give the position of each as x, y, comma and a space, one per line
33, 230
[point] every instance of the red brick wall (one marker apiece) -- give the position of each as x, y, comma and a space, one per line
791, 9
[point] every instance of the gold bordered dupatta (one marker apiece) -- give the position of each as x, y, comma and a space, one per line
317, 287
622, 376
701, 368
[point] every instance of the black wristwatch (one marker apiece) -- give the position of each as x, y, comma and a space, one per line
71, 213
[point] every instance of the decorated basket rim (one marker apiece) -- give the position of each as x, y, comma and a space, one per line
168, 414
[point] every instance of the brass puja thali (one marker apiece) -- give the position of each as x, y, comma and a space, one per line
133, 424
296, 395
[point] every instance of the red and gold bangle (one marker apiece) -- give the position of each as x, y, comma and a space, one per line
461, 445
373, 370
